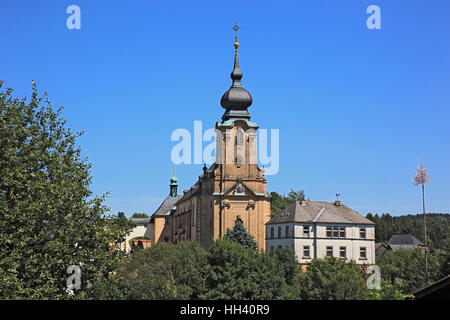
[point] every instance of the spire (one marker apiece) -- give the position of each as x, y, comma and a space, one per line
173, 184
236, 100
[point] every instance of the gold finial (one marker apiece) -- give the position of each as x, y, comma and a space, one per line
236, 29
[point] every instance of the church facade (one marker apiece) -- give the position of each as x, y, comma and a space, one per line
233, 189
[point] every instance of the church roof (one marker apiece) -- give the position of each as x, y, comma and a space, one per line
166, 207
319, 211
195, 189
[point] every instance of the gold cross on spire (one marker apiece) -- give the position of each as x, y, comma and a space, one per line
236, 29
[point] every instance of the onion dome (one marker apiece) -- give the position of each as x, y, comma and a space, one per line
173, 185
236, 100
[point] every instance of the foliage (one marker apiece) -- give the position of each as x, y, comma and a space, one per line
408, 267
280, 202
140, 215
239, 273
296, 195
438, 228
241, 236
49, 219
389, 291
122, 222
111, 287
332, 279
163, 271
286, 258
277, 203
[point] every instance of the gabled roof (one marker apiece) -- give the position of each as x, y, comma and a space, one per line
380, 248
319, 211
166, 207
403, 241
233, 187
195, 189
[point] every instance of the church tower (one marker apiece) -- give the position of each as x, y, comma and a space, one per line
234, 187
173, 185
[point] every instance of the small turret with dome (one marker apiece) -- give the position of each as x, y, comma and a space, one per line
173, 185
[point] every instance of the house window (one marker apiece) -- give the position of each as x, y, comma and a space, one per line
362, 233
166, 239
305, 251
167, 221
272, 231
342, 252
279, 232
271, 248
306, 231
287, 231
329, 251
335, 232
362, 253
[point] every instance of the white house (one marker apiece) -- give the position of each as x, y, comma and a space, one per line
317, 229
141, 234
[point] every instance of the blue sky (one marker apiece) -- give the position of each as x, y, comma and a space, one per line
355, 107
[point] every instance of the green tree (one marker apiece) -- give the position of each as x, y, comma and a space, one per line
279, 202
239, 273
240, 235
408, 267
49, 219
122, 222
286, 258
332, 279
389, 291
139, 215
296, 195
163, 271
438, 226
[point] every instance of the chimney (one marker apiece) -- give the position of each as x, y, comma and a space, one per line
337, 202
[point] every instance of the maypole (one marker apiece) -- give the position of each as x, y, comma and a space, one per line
421, 177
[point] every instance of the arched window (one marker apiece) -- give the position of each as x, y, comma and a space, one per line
240, 147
